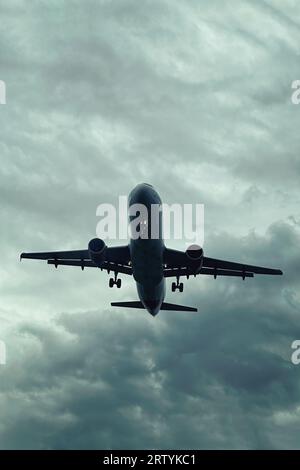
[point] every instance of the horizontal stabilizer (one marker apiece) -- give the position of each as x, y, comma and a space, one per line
133, 304
164, 306
177, 308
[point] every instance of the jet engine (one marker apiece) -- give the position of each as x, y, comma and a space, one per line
97, 249
194, 254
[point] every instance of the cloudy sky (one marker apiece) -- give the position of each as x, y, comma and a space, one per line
195, 98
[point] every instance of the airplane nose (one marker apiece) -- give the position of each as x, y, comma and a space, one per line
140, 194
145, 194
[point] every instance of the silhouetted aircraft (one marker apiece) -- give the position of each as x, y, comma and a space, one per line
149, 261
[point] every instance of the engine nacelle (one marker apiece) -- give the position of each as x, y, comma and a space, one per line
194, 254
97, 249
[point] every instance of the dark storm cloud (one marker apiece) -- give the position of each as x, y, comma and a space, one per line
194, 98
220, 378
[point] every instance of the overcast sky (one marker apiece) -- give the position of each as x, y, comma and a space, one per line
195, 98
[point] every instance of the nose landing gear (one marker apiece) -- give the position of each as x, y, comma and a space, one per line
115, 281
177, 285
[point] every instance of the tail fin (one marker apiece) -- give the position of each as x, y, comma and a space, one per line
164, 306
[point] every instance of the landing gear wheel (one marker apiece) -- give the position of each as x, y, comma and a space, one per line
118, 283
173, 287
111, 282
180, 287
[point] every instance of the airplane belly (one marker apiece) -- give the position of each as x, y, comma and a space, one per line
147, 269
147, 261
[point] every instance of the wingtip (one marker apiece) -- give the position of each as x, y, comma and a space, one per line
278, 272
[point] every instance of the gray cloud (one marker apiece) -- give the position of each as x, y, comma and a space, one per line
195, 99
221, 378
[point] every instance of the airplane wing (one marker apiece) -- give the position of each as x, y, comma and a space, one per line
229, 265
117, 259
177, 264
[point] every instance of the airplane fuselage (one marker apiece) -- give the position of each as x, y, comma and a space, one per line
147, 253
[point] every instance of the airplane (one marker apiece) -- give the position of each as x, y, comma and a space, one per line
149, 261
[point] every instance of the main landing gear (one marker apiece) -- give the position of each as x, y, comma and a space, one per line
177, 285
115, 281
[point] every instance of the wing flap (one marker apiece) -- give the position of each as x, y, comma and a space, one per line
177, 265
90, 264
206, 271
75, 254
229, 265
117, 259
